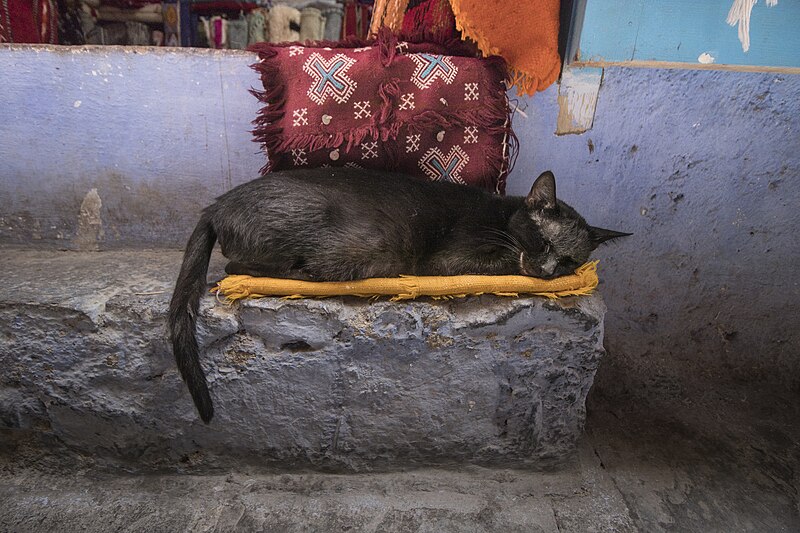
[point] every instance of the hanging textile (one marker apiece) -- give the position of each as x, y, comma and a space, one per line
523, 32
432, 19
28, 21
356, 19
312, 24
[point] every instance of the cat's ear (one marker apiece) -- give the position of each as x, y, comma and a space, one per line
543, 192
599, 235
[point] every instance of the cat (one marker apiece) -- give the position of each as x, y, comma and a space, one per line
339, 224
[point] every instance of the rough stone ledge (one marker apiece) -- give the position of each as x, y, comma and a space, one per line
335, 384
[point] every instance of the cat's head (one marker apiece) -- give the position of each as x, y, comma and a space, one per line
554, 238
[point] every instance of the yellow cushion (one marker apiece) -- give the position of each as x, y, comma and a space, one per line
583, 281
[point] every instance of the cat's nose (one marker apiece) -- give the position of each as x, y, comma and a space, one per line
549, 266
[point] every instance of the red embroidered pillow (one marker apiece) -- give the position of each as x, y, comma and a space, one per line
385, 104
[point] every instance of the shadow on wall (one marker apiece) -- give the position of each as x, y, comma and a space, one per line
703, 168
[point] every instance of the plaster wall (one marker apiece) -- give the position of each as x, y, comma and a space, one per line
158, 133
702, 166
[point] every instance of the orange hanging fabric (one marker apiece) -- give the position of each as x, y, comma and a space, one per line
523, 32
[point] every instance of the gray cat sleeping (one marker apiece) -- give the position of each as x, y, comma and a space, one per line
343, 224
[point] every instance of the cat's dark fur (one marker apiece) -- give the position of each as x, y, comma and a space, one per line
345, 224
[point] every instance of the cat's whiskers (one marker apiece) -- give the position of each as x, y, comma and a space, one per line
507, 241
502, 244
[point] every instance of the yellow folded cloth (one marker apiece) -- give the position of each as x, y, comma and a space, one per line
583, 281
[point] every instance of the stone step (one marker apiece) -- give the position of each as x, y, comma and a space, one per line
340, 384
577, 498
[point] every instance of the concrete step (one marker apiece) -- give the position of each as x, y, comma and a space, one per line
341, 384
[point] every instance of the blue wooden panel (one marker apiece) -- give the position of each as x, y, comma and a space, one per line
683, 30
609, 29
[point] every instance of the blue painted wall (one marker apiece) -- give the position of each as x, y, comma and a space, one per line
703, 166
158, 132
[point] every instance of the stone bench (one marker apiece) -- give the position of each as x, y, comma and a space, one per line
336, 384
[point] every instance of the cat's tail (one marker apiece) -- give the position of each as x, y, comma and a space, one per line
183, 308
